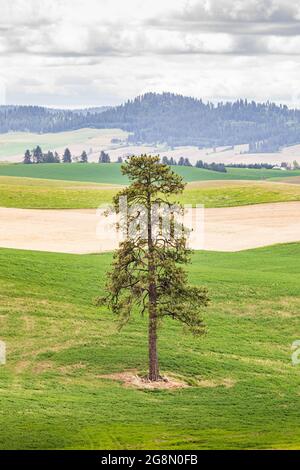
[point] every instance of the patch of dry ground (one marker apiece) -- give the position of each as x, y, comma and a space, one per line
85, 231
291, 180
132, 379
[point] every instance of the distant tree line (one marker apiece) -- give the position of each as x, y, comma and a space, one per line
267, 166
200, 164
287, 166
211, 166
169, 161
38, 156
173, 119
251, 166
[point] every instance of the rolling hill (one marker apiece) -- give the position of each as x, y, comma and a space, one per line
173, 119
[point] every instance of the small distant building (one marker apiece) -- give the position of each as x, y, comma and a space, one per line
276, 167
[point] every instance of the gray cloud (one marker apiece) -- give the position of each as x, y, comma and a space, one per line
259, 11
106, 50
235, 17
195, 29
291, 28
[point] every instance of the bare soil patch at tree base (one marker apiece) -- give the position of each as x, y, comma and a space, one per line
133, 379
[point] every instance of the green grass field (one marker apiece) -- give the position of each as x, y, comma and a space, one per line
26, 193
244, 391
110, 174
32, 193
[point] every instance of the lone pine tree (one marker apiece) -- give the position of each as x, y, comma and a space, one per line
147, 272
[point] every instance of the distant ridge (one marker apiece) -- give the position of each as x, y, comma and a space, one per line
173, 119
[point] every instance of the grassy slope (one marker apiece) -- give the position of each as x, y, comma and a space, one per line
26, 193
110, 174
98, 173
58, 343
51, 194
240, 195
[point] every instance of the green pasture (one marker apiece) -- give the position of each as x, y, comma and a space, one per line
111, 174
32, 193
243, 389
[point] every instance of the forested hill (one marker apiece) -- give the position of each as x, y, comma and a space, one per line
41, 120
174, 119
180, 120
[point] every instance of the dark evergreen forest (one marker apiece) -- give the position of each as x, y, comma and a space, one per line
173, 119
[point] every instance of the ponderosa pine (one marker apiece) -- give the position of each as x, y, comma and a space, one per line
147, 271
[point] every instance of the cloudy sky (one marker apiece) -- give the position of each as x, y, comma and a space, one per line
73, 53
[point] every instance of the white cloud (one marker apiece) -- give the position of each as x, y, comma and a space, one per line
104, 51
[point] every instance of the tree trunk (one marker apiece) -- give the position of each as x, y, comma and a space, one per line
152, 333
153, 357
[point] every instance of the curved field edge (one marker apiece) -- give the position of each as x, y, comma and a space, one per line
244, 391
26, 193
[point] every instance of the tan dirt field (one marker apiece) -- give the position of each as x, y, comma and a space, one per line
95, 140
291, 180
83, 231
